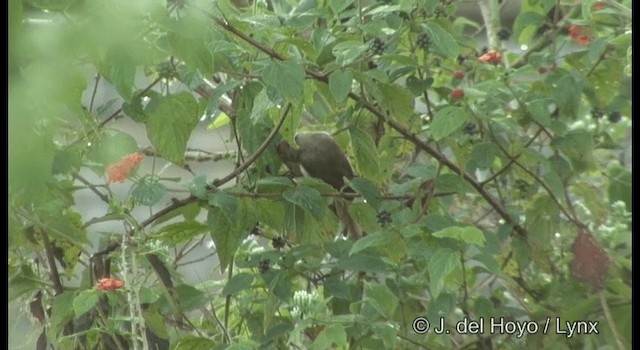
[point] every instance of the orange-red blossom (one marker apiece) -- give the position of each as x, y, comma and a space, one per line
492, 56
107, 284
120, 170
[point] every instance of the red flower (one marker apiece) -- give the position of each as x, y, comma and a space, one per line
456, 94
492, 56
107, 284
120, 170
458, 74
578, 35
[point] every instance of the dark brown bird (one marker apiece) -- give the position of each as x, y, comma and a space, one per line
321, 157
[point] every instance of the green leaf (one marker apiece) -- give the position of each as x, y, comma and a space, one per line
381, 298
192, 342
198, 186
62, 308
182, 231
620, 186
330, 335
112, 146
134, 109
286, 77
363, 261
221, 120
226, 202
372, 240
398, 100
577, 145
340, 84
171, 120
308, 199
441, 264
119, 68
447, 120
228, 228
348, 52
526, 25
85, 301
554, 183
443, 42
148, 191
467, 234
365, 152
418, 86
481, 157
22, 281
568, 91
367, 190
216, 95
238, 283
540, 111
339, 5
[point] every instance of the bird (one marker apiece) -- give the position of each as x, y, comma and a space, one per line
319, 156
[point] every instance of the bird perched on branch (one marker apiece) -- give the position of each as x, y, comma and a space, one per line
319, 156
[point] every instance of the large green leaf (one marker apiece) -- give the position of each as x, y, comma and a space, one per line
85, 301
238, 283
468, 234
171, 120
441, 264
229, 222
340, 84
381, 298
286, 77
398, 100
308, 199
447, 120
442, 40
366, 153
192, 342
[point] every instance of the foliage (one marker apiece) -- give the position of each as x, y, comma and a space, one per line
491, 187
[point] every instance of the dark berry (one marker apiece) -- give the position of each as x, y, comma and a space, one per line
504, 34
423, 41
278, 242
458, 74
384, 218
461, 59
264, 265
614, 116
166, 70
377, 46
470, 128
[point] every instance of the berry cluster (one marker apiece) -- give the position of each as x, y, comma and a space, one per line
384, 218
264, 265
423, 41
470, 128
166, 70
278, 242
377, 46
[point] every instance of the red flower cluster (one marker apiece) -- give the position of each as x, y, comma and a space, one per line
600, 5
578, 35
107, 284
120, 170
458, 74
492, 56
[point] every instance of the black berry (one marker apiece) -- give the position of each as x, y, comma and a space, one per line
264, 265
470, 128
377, 46
504, 34
256, 230
384, 218
166, 70
423, 41
278, 243
614, 116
